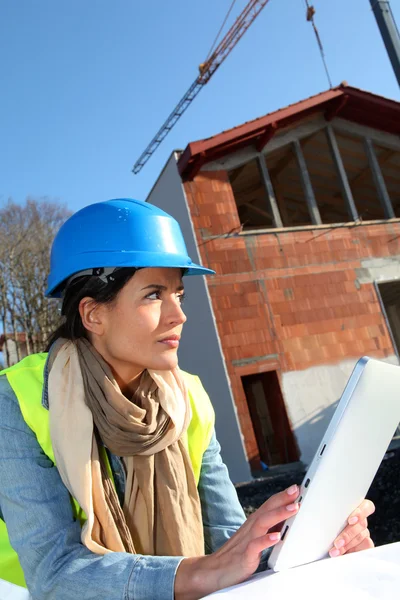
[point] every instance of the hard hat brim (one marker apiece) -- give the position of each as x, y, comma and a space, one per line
130, 259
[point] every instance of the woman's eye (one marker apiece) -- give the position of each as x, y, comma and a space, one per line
154, 296
157, 296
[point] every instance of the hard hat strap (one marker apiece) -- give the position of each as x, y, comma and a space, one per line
103, 273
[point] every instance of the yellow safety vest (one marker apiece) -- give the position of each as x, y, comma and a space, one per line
27, 379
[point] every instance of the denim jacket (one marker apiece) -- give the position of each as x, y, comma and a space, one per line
36, 507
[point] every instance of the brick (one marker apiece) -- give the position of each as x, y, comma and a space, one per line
282, 308
272, 283
292, 344
355, 348
246, 312
233, 340
253, 298
270, 263
215, 266
346, 335
318, 314
223, 302
294, 331
327, 339
289, 319
232, 353
221, 290
260, 349
300, 356
226, 327
331, 352
243, 325
276, 296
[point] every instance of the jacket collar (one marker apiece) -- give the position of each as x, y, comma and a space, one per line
45, 392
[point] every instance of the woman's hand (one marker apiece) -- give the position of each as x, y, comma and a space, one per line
240, 556
356, 535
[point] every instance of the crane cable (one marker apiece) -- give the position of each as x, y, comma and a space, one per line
310, 17
219, 32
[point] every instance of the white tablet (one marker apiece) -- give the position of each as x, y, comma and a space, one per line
344, 465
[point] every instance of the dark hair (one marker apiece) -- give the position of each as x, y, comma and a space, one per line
102, 292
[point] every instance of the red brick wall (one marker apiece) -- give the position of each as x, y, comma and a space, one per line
290, 296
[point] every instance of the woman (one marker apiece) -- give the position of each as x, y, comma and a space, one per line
110, 471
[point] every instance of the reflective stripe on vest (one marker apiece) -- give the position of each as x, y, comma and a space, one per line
27, 379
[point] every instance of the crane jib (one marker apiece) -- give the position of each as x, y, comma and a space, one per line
207, 69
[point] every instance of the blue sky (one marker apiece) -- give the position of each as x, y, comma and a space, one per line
87, 83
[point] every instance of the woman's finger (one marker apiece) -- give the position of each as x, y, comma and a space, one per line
349, 533
256, 546
354, 546
366, 544
357, 541
357, 524
269, 519
282, 498
264, 520
365, 510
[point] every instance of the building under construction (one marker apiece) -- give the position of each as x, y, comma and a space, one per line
298, 212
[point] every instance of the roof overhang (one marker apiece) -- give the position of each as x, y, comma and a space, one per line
347, 102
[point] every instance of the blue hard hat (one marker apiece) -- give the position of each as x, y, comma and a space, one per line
117, 233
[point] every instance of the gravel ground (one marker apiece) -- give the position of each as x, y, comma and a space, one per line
384, 492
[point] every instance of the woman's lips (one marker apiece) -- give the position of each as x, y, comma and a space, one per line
172, 342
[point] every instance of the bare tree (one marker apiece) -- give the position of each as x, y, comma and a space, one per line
26, 235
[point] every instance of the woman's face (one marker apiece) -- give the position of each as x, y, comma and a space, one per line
142, 327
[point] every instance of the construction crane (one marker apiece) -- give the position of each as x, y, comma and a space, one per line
206, 71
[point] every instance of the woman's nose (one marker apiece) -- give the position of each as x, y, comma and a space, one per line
176, 314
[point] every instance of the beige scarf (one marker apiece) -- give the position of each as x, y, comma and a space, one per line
161, 513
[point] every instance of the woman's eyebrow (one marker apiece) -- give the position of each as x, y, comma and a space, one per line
162, 288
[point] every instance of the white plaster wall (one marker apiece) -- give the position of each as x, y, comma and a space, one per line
379, 269
311, 397
200, 350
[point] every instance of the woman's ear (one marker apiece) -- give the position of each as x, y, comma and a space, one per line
92, 315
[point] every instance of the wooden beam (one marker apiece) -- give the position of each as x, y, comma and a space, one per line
378, 179
341, 173
196, 167
307, 186
265, 178
281, 200
266, 136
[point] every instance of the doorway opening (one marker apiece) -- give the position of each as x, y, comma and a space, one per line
275, 439
390, 298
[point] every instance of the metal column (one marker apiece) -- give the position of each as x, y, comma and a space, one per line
269, 188
344, 182
390, 33
378, 179
307, 186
